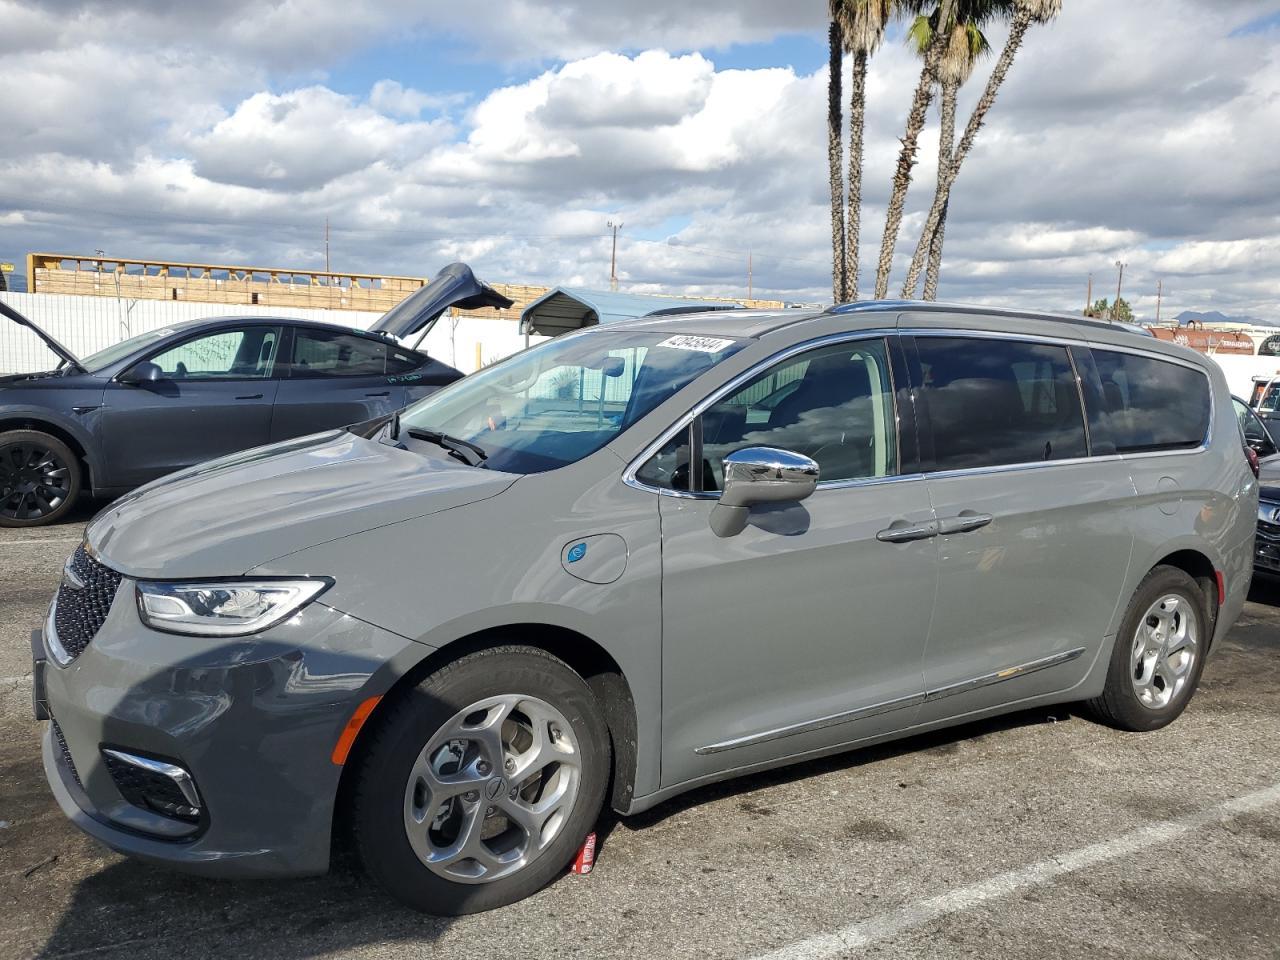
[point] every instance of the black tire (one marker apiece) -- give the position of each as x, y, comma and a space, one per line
40, 479
403, 729
1119, 705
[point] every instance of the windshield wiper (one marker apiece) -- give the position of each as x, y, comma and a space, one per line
455, 445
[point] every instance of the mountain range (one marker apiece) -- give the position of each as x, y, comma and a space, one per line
1211, 317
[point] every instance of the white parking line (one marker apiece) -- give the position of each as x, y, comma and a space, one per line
33, 540
893, 923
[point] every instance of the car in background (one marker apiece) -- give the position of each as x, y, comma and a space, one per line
1265, 398
1266, 548
171, 398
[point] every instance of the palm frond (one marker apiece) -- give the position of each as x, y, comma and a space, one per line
863, 22
920, 34
1041, 11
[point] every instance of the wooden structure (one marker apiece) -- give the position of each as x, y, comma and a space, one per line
239, 286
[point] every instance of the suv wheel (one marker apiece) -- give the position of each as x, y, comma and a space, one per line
477, 787
1158, 654
39, 478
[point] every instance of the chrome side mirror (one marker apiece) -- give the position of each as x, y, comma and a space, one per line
760, 475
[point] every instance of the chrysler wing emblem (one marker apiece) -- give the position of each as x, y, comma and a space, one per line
69, 576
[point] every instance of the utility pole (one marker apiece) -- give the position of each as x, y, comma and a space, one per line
613, 257
1088, 297
749, 277
326, 244
1115, 307
1159, 295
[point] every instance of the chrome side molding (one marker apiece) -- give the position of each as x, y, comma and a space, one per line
899, 703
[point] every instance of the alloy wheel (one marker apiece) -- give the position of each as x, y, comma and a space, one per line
34, 480
492, 788
1165, 648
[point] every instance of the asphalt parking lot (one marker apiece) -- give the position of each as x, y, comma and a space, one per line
1040, 835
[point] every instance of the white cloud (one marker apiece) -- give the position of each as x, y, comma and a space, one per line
209, 132
305, 138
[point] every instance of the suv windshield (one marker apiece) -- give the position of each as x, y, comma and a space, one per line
557, 403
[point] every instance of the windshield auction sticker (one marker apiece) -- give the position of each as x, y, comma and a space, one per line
700, 344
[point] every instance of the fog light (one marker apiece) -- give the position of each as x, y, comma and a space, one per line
156, 785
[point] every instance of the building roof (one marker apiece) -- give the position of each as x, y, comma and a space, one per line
563, 309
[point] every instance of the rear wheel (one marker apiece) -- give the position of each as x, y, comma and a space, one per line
477, 787
1158, 655
39, 478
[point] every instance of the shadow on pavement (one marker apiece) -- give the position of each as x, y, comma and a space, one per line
170, 914
940, 741
1265, 590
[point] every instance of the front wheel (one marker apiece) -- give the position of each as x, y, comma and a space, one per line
39, 478
1158, 655
477, 786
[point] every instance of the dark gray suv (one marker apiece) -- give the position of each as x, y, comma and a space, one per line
170, 398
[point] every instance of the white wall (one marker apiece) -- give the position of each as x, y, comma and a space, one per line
1240, 371
87, 324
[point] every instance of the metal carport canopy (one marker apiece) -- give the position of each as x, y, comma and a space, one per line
564, 309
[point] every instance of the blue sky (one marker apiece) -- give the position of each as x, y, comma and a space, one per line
445, 64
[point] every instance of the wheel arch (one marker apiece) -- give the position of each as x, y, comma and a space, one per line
582, 654
20, 421
1201, 569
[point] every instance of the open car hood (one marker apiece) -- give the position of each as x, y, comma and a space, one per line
454, 286
63, 353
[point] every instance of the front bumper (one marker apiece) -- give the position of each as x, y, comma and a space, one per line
254, 720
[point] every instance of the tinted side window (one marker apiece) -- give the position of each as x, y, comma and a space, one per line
834, 404
243, 354
401, 361
995, 402
1151, 404
319, 353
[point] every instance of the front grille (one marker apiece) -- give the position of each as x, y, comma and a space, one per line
65, 751
79, 612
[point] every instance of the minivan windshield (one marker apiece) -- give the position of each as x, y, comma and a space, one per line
556, 403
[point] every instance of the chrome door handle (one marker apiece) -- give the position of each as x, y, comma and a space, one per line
963, 523
908, 532
250, 396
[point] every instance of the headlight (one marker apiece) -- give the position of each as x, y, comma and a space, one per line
229, 608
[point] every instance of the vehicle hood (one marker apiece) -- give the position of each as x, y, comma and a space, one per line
227, 516
454, 286
62, 352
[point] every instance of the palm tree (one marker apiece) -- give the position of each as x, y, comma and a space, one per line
863, 24
907, 156
1025, 13
965, 45
835, 163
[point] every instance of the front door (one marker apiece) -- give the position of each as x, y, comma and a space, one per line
215, 398
807, 629
1035, 539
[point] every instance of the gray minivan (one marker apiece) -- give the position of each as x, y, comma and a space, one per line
630, 561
